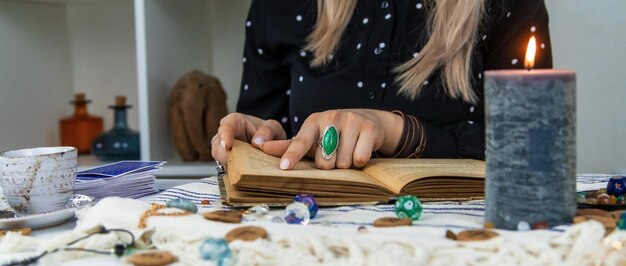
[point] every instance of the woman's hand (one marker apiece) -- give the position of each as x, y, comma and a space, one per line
245, 128
361, 132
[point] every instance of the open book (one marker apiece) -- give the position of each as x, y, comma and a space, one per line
254, 177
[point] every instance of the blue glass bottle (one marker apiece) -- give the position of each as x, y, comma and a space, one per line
121, 142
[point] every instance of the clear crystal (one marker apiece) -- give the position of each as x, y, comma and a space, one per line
79, 200
258, 211
297, 213
523, 226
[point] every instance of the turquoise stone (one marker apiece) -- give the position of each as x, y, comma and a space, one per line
621, 199
621, 223
330, 140
408, 207
182, 204
216, 250
580, 197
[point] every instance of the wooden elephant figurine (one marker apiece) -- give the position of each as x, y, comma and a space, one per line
196, 105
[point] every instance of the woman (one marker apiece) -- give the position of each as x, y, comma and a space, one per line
394, 78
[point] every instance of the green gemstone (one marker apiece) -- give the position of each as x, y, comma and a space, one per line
330, 141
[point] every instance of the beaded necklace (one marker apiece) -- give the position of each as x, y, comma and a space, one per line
154, 211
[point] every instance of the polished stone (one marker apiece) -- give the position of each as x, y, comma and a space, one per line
297, 213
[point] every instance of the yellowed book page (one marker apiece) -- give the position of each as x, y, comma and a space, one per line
247, 160
397, 173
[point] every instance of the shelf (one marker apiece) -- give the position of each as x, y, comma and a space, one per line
174, 168
140, 54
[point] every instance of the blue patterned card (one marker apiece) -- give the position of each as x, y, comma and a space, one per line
118, 169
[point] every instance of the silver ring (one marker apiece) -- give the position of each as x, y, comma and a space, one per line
220, 168
329, 142
213, 139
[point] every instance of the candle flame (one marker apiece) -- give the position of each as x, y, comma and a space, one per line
529, 62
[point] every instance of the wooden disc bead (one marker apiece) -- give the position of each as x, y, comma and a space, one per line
156, 258
226, 216
246, 233
392, 221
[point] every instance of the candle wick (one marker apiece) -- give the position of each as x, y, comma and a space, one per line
529, 68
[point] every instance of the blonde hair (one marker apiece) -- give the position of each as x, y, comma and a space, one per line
452, 29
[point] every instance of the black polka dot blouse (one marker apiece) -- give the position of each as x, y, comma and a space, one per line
278, 82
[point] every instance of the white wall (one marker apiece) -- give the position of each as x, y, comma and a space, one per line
590, 37
35, 74
102, 41
177, 41
226, 21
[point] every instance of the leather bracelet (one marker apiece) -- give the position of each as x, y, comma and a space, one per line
421, 144
412, 139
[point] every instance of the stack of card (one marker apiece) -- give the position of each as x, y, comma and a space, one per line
130, 179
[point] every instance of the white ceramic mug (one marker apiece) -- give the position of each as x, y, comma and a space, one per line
38, 180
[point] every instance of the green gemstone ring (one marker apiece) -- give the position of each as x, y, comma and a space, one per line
329, 141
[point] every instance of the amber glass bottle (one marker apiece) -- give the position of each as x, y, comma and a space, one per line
80, 129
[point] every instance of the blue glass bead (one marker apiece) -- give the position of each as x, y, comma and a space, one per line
408, 207
309, 201
616, 186
621, 223
182, 204
217, 250
297, 213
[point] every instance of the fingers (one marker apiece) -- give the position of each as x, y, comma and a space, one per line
300, 144
348, 139
276, 147
270, 130
233, 126
365, 143
359, 134
217, 151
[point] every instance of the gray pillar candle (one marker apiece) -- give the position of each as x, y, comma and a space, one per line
531, 147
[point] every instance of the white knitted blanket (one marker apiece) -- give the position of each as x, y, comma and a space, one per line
340, 243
